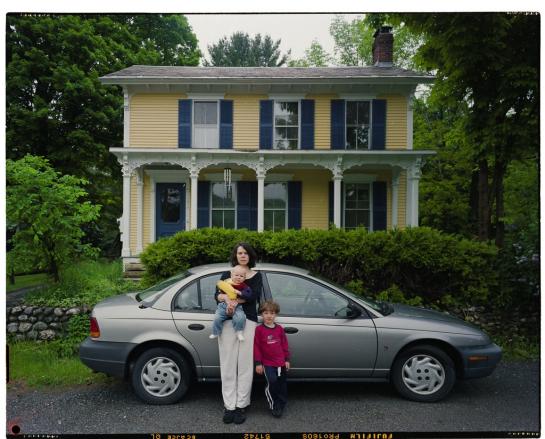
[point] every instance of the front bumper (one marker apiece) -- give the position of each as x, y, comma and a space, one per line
479, 361
105, 356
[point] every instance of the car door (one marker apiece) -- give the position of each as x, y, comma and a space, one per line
322, 343
193, 313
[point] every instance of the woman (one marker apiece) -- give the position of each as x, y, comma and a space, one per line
236, 357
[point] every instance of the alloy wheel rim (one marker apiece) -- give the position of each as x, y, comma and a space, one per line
423, 374
161, 376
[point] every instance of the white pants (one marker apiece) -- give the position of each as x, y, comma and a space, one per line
237, 365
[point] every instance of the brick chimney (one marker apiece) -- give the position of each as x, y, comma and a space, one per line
383, 47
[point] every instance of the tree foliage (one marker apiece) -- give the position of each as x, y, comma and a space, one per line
47, 211
56, 106
240, 50
315, 56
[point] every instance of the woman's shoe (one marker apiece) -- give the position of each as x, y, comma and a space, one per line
240, 416
228, 416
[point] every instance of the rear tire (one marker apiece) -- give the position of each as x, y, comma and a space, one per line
423, 373
161, 376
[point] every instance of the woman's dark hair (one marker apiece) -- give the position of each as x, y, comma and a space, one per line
252, 256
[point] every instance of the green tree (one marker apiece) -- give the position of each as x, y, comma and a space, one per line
490, 61
240, 50
315, 56
49, 211
56, 106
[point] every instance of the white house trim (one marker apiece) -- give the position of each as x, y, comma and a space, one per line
139, 211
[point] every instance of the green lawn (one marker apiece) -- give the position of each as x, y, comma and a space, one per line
27, 280
38, 365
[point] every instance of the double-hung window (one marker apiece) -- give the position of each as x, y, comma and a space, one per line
286, 125
205, 124
357, 205
223, 206
358, 122
276, 206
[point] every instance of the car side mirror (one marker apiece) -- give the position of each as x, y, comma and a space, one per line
348, 312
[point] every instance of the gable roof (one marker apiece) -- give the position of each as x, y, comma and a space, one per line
176, 74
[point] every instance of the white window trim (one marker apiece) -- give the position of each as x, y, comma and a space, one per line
290, 99
370, 100
203, 99
167, 176
235, 198
370, 184
286, 209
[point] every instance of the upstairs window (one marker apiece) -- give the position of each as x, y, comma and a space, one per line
358, 116
286, 125
205, 124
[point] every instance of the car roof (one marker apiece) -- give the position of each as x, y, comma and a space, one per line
202, 269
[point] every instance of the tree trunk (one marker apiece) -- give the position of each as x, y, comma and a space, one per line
12, 277
484, 207
499, 174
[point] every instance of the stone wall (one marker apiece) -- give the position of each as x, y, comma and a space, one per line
40, 322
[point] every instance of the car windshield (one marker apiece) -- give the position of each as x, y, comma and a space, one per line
161, 286
382, 307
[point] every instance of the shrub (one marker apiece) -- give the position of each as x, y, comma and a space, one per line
406, 264
78, 330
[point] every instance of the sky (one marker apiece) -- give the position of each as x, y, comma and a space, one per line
296, 31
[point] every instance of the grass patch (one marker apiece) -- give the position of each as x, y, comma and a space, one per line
27, 280
515, 347
85, 282
39, 365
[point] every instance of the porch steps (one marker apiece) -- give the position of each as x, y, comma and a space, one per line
134, 271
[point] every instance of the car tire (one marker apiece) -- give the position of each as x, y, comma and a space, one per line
423, 373
161, 376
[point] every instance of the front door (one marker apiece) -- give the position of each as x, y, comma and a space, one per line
169, 209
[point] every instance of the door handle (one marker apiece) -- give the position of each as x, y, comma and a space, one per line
196, 327
291, 330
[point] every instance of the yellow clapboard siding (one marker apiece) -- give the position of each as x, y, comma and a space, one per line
322, 119
315, 193
245, 120
396, 121
154, 120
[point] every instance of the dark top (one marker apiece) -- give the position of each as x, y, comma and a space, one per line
250, 306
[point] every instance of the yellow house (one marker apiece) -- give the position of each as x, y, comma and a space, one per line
267, 148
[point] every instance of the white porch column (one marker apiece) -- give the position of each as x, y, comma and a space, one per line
140, 210
126, 218
413, 178
194, 174
260, 174
337, 179
395, 196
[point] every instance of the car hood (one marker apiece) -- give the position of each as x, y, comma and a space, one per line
411, 317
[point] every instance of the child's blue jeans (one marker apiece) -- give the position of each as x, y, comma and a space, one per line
238, 317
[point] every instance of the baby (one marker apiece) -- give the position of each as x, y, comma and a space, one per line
234, 288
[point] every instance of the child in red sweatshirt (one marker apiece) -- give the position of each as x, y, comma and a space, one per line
271, 357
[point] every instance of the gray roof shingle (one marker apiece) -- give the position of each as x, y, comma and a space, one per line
142, 72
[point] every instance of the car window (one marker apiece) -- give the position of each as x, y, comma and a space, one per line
198, 296
298, 296
161, 286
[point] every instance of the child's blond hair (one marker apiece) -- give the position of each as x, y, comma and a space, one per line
270, 305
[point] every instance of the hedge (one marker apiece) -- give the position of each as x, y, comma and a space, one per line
411, 263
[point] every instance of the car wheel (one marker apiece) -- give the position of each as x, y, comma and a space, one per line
423, 373
161, 376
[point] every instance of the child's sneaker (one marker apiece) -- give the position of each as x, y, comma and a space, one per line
240, 336
212, 336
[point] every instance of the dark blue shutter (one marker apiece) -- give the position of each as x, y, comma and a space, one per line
247, 205
378, 129
203, 204
294, 204
338, 130
226, 124
265, 124
184, 123
307, 124
379, 205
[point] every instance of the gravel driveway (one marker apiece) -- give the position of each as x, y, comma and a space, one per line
506, 401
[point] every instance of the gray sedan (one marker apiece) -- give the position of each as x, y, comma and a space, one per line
159, 338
